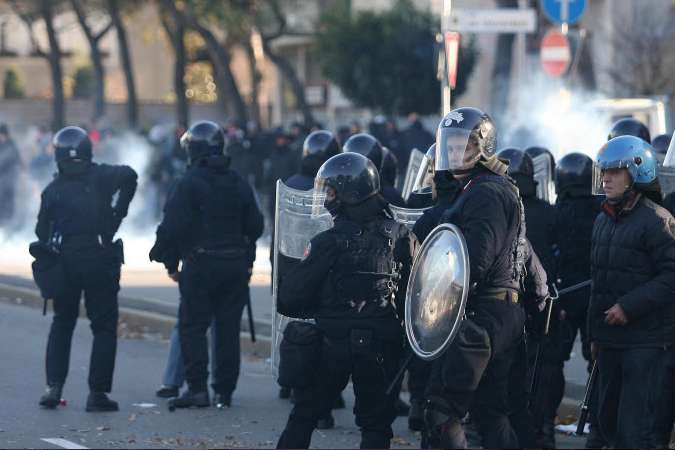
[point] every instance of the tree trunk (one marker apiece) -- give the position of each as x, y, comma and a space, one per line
288, 72
176, 35
58, 105
221, 59
255, 84
96, 58
125, 56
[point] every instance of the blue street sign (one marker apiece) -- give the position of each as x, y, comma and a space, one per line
564, 11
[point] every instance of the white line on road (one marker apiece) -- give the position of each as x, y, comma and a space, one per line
63, 443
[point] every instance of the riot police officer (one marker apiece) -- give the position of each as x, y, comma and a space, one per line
630, 127
210, 221
352, 281
576, 210
474, 371
661, 143
78, 214
368, 146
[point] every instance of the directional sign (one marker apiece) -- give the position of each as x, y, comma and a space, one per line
563, 11
493, 20
555, 53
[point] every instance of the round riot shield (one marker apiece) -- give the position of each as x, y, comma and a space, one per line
437, 292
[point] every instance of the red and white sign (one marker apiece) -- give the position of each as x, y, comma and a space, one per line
451, 56
555, 53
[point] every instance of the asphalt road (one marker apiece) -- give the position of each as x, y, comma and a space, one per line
255, 420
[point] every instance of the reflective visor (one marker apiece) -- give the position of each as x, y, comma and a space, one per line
599, 168
320, 194
425, 175
454, 151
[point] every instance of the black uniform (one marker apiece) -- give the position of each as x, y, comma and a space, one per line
80, 209
211, 221
344, 282
474, 371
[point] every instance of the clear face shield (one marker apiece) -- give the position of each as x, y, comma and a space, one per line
455, 149
322, 194
425, 174
669, 160
599, 169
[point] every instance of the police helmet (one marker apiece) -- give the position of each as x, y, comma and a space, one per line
661, 143
366, 145
574, 171
203, 139
626, 152
520, 163
464, 137
629, 127
72, 144
352, 177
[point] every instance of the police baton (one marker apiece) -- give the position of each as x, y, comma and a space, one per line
586, 403
400, 372
249, 310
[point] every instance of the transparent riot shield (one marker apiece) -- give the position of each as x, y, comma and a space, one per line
414, 163
294, 227
543, 175
407, 216
437, 292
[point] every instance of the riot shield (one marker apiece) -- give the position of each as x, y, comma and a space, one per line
294, 227
437, 292
543, 175
407, 216
414, 163
666, 177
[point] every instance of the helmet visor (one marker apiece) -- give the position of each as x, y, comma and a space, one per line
598, 171
322, 192
425, 175
455, 149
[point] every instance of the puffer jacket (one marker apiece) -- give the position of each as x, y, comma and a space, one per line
633, 264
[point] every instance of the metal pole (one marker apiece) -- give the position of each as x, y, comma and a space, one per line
445, 87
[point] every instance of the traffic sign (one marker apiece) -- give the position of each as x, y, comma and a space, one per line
507, 20
563, 11
555, 53
452, 56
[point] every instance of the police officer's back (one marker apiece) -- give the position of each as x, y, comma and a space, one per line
79, 215
352, 282
211, 220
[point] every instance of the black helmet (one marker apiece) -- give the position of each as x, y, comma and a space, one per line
464, 137
353, 177
520, 163
574, 172
366, 145
536, 151
72, 150
389, 167
203, 139
661, 143
318, 147
630, 127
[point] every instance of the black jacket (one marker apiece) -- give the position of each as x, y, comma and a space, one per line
430, 219
633, 264
311, 288
82, 206
540, 225
211, 207
488, 214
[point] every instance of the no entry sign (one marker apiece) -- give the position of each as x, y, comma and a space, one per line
555, 53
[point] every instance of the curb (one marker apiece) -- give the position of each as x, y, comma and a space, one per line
134, 322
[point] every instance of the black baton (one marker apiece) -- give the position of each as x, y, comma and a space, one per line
249, 310
586, 403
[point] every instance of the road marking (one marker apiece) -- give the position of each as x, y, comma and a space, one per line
63, 443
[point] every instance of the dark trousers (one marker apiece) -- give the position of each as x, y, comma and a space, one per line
372, 364
475, 373
419, 372
212, 291
627, 387
665, 398
97, 274
519, 397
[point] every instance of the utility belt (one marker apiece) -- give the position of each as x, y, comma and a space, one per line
220, 252
505, 295
82, 239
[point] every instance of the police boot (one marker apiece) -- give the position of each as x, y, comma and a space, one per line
191, 399
167, 391
416, 416
442, 429
52, 397
325, 422
99, 402
222, 401
548, 434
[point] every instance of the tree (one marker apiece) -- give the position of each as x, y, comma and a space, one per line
85, 83
175, 31
94, 39
387, 60
29, 11
125, 56
12, 85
